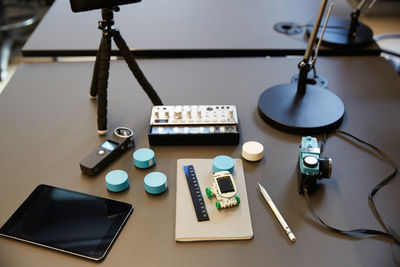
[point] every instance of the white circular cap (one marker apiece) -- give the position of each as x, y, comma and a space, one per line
252, 151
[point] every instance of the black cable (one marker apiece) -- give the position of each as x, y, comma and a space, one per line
390, 52
384, 182
353, 232
390, 232
323, 143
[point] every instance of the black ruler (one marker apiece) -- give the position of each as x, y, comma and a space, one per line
195, 192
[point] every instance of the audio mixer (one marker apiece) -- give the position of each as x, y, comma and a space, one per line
194, 125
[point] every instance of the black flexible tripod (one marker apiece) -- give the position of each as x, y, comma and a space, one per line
102, 65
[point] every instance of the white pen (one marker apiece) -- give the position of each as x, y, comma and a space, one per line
277, 213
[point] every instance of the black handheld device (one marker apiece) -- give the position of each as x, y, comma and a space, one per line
120, 141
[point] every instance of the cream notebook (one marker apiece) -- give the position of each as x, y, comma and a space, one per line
225, 224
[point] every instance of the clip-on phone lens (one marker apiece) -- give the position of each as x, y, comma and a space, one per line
123, 132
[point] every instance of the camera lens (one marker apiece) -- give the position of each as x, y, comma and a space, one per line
325, 167
123, 132
310, 161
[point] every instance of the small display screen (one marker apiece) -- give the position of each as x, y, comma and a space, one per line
109, 145
225, 184
78, 223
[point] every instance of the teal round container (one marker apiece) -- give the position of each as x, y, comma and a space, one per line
144, 158
223, 163
155, 183
117, 181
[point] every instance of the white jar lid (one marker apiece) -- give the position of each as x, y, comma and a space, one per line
252, 151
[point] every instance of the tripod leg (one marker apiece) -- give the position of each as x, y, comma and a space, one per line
95, 76
104, 66
134, 67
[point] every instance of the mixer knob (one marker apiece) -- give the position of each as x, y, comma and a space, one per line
178, 115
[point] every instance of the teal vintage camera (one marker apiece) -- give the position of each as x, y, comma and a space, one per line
311, 166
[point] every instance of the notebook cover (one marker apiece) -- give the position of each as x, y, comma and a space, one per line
225, 224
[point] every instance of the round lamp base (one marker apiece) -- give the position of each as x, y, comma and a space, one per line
317, 111
337, 34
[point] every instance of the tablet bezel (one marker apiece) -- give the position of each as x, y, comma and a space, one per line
101, 250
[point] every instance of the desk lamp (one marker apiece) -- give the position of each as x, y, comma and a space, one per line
303, 108
102, 64
346, 33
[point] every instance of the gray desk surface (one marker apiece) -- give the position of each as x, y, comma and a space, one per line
48, 124
185, 28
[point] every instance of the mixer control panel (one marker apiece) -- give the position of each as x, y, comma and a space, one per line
194, 124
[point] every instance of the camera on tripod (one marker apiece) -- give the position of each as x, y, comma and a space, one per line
86, 5
99, 84
311, 166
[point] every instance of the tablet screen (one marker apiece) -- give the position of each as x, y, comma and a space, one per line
77, 223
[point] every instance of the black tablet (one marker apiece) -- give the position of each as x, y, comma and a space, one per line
68, 221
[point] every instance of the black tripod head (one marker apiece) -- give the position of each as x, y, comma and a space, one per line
86, 5
107, 14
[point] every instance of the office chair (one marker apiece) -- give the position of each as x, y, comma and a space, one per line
14, 16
